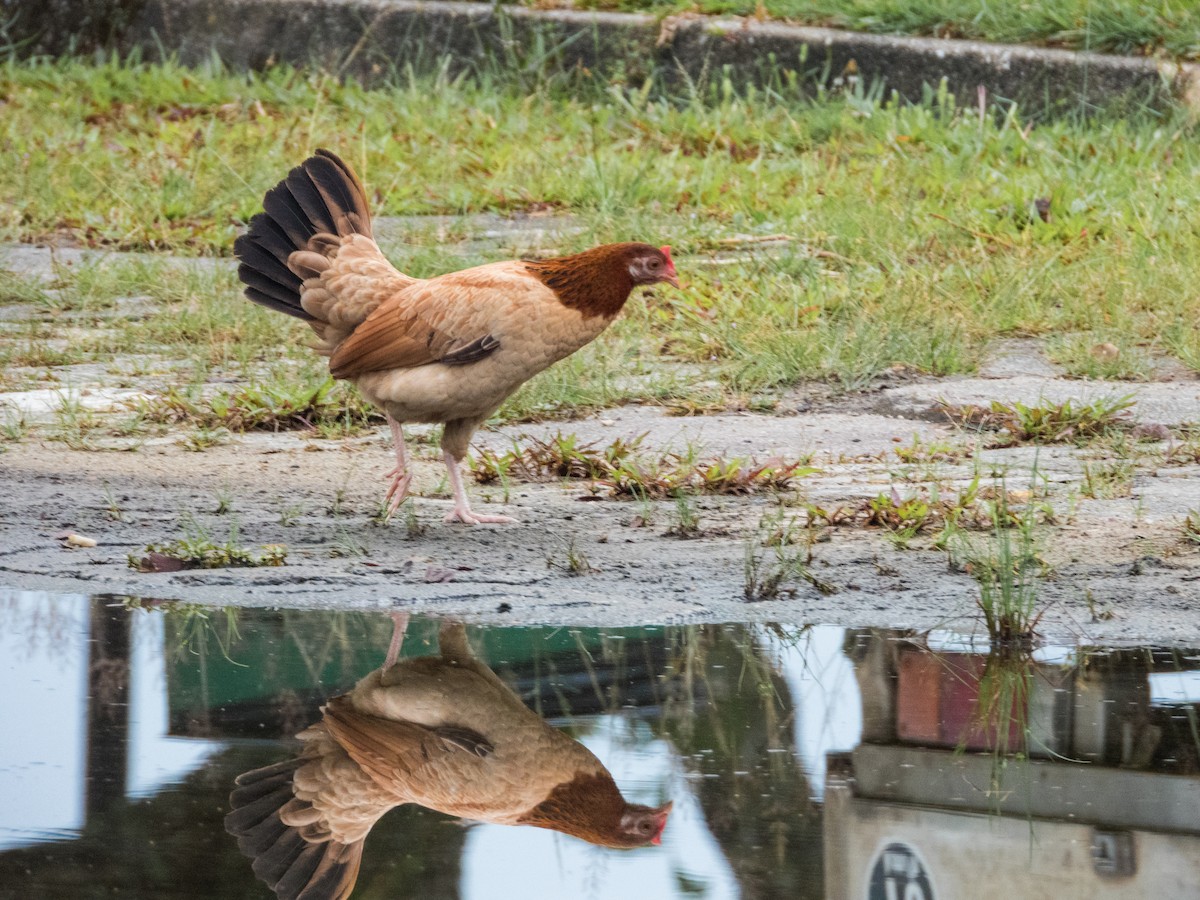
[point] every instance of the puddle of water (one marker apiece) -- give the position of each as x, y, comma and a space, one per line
800, 762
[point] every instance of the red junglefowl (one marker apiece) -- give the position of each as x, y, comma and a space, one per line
448, 349
443, 732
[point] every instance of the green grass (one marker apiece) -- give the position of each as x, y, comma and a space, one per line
1160, 27
911, 233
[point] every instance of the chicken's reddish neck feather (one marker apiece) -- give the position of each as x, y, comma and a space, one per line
596, 282
588, 807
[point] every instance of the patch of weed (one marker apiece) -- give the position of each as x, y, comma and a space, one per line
917, 453
305, 401
628, 471
197, 550
203, 438
1067, 422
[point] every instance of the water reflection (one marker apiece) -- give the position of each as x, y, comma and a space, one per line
1065, 773
1070, 772
440, 731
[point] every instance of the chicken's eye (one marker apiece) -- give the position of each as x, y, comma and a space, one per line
655, 263
644, 827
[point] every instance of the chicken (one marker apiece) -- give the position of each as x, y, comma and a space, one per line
444, 350
443, 732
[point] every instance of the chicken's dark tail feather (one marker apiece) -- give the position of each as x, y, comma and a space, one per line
321, 196
297, 863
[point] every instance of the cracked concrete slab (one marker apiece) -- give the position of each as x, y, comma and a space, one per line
1117, 568
369, 37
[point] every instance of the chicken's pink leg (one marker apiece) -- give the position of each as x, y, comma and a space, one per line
399, 626
462, 506
401, 477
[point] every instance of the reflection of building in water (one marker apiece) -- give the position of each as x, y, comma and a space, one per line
1017, 776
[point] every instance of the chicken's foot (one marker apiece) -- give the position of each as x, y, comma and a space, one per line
401, 477
462, 506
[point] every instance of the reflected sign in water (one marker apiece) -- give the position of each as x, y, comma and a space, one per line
802, 762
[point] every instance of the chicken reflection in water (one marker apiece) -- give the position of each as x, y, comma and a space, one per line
443, 732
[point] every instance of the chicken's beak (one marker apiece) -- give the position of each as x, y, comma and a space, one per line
660, 819
670, 276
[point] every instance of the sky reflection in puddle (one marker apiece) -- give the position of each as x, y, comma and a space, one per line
801, 762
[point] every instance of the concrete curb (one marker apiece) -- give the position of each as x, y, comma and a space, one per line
368, 38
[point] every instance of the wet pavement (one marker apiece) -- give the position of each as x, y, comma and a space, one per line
814, 761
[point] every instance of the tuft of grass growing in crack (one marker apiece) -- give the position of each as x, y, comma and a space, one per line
20, 290
74, 423
13, 427
111, 507
1094, 356
413, 526
1185, 451
346, 545
1007, 565
1191, 526
1047, 423
686, 522
778, 556
37, 353
917, 453
1107, 480
224, 505
559, 456
574, 561
290, 513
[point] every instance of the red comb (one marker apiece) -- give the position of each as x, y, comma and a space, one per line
666, 251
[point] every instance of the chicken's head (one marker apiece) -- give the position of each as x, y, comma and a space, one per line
648, 265
641, 825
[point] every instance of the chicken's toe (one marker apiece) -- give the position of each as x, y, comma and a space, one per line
468, 517
397, 492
